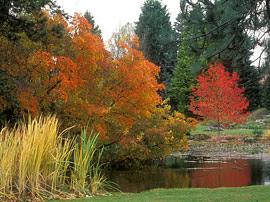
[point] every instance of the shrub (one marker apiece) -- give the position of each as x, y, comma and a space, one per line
258, 114
267, 135
154, 137
257, 131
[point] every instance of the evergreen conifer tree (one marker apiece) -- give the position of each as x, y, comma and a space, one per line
90, 18
157, 37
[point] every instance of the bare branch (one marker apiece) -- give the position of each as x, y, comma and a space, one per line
260, 57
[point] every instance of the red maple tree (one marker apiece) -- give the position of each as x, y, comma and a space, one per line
218, 97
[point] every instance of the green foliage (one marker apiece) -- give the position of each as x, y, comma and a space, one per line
157, 37
249, 79
95, 29
9, 103
258, 132
182, 80
85, 168
265, 74
266, 94
265, 68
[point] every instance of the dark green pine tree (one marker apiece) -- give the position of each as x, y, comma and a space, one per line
90, 18
266, 94
182, 81
265, 75
157, 37
249, 79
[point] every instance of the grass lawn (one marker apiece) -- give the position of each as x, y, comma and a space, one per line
245, 194
202, 129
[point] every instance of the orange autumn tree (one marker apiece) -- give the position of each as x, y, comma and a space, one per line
109, 94
151, 129
119, 98
71, 74
133, 87
42, 72
218, 97
115, 93
87, 103
53, 78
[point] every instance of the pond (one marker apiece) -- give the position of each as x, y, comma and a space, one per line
193, 172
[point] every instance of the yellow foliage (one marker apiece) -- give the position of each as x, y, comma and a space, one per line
157, 136
267, 135
34, 160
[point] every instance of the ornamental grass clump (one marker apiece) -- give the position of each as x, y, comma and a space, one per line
35, 161
86, 176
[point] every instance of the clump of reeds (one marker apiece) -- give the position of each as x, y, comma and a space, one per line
37, 163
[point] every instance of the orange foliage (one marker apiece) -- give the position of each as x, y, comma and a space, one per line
114, 93
28, 102
133, 89
75, 77
54, 76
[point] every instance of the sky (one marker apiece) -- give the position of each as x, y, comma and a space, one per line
112, 14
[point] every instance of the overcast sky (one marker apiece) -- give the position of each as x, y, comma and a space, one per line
111, 14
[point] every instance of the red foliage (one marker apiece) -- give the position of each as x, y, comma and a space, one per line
218, 96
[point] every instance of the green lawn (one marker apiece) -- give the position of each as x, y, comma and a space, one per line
245, 194
202, 129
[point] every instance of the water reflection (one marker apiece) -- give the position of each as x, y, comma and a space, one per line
232, 173
195, 173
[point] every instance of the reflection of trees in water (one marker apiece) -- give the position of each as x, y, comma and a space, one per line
149, 179
232, 173
257, 167
181, 163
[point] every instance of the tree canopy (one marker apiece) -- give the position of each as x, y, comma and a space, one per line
218, 97
157, 37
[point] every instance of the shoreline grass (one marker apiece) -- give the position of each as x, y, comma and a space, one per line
37, 163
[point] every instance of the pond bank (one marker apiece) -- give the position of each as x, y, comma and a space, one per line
227, 146
244, 194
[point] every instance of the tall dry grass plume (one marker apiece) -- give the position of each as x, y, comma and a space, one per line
35, 162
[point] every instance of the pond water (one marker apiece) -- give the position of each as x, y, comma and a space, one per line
194, 172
